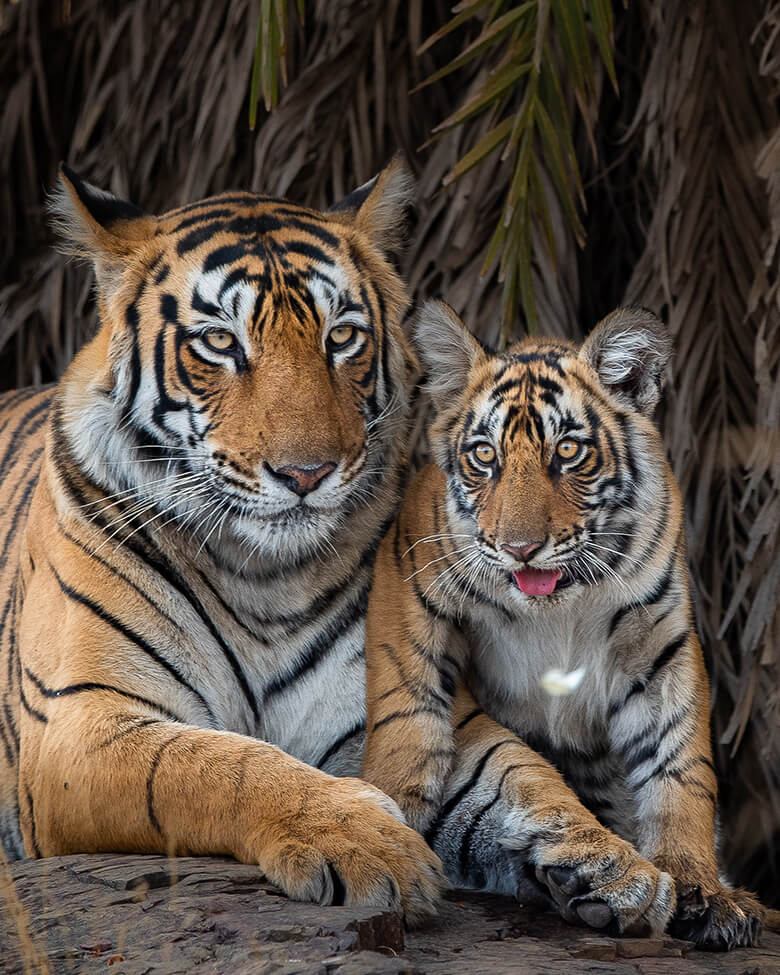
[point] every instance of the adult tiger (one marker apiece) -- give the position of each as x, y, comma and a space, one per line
190, 520
550, 535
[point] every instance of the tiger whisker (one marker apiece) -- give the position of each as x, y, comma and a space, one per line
440, 559
436, 538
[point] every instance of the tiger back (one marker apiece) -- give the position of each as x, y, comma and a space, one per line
548, 536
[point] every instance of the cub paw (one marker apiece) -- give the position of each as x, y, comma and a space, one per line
599, 880
348, 847
719, 921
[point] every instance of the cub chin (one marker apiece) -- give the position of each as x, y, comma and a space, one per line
549, 535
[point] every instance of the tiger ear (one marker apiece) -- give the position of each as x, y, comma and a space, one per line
97, 226
447, 349
380, 208
629, 350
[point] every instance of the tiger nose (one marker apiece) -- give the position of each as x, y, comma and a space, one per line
302, 480
524, 551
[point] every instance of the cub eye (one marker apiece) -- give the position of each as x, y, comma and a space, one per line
484, 453
219, 340
569, 449
341, 335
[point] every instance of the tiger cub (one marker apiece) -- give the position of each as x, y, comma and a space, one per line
549, 534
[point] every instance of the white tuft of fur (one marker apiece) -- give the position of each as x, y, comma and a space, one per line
557, 682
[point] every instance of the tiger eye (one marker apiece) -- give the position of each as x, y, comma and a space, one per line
484, 453
341, 334
219, 340
568, 449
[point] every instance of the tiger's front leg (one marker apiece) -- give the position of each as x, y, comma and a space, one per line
115, 758
670, 771
509, 823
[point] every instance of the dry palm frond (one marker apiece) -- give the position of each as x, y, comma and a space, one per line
710, 265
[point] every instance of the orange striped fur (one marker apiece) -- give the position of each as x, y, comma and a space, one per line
190, 523
549, 534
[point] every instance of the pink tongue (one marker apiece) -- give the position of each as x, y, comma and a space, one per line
537, 582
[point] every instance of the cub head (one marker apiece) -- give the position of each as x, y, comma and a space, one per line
549, 450
250, 372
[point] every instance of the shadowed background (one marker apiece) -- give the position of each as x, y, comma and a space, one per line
679, 208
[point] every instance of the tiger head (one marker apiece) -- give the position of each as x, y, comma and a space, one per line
550, 452
250, 371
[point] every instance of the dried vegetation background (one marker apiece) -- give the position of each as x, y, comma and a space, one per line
681, 179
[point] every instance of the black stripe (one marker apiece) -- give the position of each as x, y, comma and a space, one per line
9, 753
667, 654
33, 828
634, 756
132, 319
325, 599
339, 743
397, 715
655, 594
216, 213
330, 240
468, 833
11, 725
308, 250
469, 717
17, 520
133, 637
662, 769
318, 648
429, 605
136, 725
96, 686
418, 690
641, 683
120, 575
30, 709
14, 443
453, 801
150, 781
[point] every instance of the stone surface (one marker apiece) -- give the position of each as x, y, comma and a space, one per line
132, 915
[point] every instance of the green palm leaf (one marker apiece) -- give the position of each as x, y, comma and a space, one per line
535, 132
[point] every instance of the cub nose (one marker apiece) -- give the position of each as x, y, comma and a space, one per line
523, 551
302, 480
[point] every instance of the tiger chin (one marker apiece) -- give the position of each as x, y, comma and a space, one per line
549, 534
190, 523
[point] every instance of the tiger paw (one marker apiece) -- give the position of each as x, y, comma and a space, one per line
347, 846
719, 921
595, 878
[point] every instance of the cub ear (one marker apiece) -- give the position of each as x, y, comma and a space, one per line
629, 350
380, 208
96, 225
447, 349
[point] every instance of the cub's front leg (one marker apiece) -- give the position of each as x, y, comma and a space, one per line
413, 661
112, 761
510, 823
661, 728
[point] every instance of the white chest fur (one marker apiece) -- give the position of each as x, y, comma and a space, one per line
510, 659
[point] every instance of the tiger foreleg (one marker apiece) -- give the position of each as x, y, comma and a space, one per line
412, 666
670, 771
510, 823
